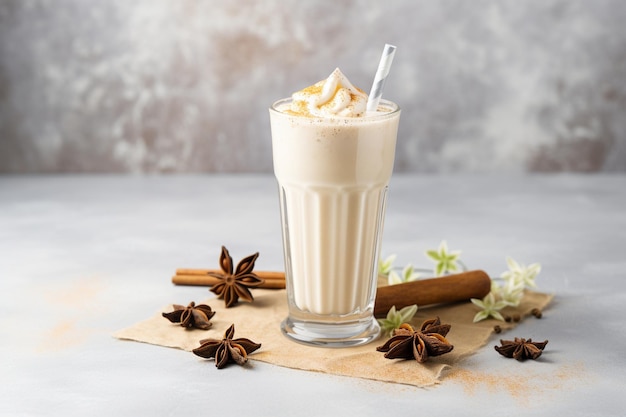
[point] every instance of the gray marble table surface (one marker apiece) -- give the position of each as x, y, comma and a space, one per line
84, 256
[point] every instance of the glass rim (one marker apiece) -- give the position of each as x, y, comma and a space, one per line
395, 109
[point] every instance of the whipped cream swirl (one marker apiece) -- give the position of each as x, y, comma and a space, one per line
334, 96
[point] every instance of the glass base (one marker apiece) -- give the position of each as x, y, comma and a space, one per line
332, 335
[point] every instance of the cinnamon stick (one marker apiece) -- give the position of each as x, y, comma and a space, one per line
260, 274
273, 280
448, 289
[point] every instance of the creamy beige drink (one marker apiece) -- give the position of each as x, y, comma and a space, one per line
333, 162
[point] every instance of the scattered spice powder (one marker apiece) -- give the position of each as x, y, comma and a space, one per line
80, 299
522, 386
82, 293
65, 334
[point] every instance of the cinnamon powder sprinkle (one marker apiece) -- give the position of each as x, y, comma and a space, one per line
521, 385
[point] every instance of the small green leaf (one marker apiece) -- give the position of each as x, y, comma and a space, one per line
433, 254
408, 312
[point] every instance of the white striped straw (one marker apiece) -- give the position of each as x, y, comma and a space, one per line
381, 76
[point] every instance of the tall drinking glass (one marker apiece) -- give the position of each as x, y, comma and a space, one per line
332, 176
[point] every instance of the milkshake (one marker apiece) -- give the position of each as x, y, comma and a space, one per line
333, 162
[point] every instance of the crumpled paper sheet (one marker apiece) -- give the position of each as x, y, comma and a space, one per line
260, 322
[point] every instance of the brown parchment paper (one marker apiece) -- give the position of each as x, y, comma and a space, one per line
260, 321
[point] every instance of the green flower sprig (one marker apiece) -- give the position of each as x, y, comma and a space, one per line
395, 318
489, 307
445, 260
511, 292
521, 274
516, 279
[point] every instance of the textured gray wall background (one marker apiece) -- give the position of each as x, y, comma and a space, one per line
184, 86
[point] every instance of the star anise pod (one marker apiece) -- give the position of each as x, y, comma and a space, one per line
227, 350
407, 343
521, 349
235, 285
193, 315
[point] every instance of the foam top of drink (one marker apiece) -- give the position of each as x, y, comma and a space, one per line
333, 97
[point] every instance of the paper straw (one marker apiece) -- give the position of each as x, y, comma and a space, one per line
381, 76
